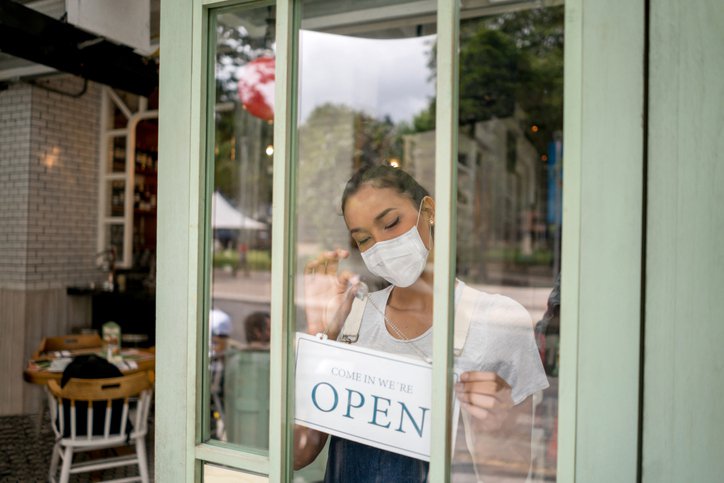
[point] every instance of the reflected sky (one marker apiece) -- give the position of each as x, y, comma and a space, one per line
378, 76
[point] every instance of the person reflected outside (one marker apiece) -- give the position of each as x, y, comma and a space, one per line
257, 328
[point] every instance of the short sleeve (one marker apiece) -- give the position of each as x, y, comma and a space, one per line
501, 340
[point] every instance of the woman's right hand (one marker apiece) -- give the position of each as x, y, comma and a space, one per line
327, 300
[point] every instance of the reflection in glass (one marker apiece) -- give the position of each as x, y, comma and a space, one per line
365, 92
509, 216
367, 99
241, 147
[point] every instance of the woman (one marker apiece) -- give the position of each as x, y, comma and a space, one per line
391, 218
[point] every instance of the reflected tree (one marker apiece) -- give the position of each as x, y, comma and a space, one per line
243, 167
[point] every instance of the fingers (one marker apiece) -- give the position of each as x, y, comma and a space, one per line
326, 263
348, 280
483, 382
485, 396
480, 376
488, 420
479, 400
476, 412
484, 389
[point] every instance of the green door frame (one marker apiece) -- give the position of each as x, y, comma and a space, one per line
601, 271
602, 241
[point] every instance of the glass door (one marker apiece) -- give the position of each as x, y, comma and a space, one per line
348, 153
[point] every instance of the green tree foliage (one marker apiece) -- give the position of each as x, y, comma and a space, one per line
508, 60
491, 70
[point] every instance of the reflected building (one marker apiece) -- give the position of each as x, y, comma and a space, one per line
500, 200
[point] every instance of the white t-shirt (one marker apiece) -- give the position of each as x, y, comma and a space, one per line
500, 339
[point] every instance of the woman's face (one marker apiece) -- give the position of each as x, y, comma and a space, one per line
379, 214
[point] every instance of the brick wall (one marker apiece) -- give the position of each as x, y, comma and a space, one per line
48, 220
14, 181
63, 188
48, 185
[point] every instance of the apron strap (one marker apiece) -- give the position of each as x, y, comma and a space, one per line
350, 330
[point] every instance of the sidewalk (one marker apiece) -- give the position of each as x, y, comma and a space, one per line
256, 287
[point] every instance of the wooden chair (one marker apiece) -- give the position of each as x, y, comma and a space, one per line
123, 404
69, 342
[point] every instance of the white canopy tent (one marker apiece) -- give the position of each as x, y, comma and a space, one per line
225, 216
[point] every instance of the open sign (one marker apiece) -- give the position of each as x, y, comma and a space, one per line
372, 397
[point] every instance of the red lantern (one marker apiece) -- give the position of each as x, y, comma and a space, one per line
256, 87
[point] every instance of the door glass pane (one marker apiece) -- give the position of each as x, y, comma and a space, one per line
240, 149
508, 238
366, 102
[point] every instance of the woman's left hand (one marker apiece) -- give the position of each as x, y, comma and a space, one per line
487, 397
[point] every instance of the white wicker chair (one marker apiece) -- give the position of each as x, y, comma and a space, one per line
82, 430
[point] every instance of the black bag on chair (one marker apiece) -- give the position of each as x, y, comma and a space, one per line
91, 367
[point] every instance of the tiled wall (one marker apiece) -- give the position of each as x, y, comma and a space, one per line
15, 114
48, 184
48, 219
63, 189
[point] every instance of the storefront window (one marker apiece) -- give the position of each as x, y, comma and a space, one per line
363, 237
508, 234
365, 85
241, 148
367, 109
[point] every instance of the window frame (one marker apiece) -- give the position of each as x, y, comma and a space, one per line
591, 271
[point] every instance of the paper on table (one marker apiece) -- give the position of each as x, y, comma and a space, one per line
59, 365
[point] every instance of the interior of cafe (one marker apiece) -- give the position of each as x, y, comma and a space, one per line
78, 191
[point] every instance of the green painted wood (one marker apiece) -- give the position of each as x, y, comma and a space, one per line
570, 244
175, 388
230, 456
605, 85
444, 249
283, 247
683, 382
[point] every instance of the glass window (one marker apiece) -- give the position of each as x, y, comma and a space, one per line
364, 237
366, 91
508, 237
367, 105
240, 147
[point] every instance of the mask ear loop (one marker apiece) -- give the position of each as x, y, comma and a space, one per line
419, 212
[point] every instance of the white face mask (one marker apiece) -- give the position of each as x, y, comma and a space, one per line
400, 260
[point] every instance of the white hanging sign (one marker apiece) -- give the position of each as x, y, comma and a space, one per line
368, 396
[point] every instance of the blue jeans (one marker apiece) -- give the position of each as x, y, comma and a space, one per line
350, 462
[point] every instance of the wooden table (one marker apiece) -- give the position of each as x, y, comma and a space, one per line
38, 371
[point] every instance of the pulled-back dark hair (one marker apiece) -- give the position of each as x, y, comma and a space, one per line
384, 176
254, 325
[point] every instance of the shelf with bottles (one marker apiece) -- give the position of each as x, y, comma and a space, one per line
146, 162
117, 155
117, 200
144, 234
145, 182
144, 200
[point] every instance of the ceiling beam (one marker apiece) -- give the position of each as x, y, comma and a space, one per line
30, 35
